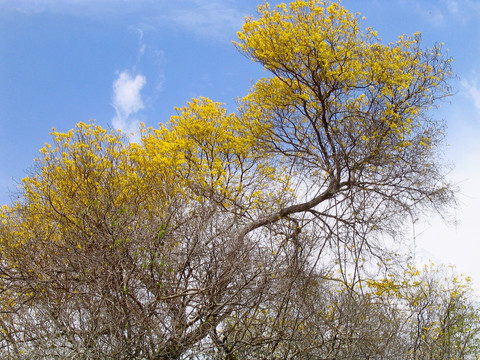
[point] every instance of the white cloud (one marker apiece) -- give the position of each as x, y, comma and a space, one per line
217, 19
205, 18
457, 245
208, 18
90, 8
445, 12
430, 14
127, 101
452, 6
141, 44
472, 88
463, 9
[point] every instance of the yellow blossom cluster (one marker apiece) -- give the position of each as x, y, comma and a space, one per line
333, 81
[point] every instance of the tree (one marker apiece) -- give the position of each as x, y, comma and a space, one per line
439, 319
214, 231
408, 314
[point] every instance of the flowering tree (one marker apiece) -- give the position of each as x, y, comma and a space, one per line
215, 230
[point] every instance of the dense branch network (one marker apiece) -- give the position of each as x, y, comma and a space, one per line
260, 234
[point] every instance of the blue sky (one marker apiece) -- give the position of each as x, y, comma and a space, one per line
121, 62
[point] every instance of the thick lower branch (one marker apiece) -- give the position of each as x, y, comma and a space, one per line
289, 210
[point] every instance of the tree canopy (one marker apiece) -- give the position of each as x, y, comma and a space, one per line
265, 233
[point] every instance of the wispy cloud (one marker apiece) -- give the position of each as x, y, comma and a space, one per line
127, 102
431, 14
207, 18
90, 8
472, 89
463, 8
204, 18
442, 13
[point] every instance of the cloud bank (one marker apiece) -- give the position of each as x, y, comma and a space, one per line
127, 102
